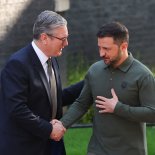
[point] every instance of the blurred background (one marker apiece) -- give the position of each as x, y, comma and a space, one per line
84, 18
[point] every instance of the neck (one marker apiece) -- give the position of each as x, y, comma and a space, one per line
41, 46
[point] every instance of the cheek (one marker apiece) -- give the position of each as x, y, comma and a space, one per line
114, 53
58, 45
54, 48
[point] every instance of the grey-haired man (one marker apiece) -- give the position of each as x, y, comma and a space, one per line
31, 94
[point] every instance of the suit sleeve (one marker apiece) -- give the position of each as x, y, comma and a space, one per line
71, 93
15, 87
146, 111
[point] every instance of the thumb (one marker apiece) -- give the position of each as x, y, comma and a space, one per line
113, 94
54, 121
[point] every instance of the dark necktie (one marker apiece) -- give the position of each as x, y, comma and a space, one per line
53, 88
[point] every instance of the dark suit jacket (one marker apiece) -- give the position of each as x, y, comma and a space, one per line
25, 107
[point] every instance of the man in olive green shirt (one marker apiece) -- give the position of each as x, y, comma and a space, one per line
122, 91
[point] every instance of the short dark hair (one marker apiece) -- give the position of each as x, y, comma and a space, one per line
116, 30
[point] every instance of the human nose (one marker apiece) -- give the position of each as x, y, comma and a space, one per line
66, 42
102, 52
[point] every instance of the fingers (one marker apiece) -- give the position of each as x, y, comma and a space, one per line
55, 121
58, 130
100, 98
103, 111
106, 105
101, 105
104, 98
113, 93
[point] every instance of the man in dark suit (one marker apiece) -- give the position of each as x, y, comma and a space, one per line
28, 99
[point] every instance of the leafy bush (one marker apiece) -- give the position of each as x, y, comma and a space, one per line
77, 69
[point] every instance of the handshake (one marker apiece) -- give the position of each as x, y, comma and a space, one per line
58, 130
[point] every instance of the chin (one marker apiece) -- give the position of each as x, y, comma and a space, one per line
59, 54
106, 62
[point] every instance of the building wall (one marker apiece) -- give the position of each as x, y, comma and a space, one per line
17, 18
84, 19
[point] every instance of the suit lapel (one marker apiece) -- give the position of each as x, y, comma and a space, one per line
45, 82
39, 68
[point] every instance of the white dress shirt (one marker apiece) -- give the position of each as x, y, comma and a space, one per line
42, 57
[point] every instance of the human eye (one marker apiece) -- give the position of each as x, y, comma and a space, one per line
106, 49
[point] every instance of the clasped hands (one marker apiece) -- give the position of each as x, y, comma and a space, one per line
58, 130
105, 105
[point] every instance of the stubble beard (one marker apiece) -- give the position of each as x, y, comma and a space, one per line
113, 62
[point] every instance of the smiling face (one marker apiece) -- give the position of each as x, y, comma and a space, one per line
53, 43
111, 53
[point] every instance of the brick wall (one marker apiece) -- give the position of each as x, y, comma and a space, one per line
9, 14
85, 17
17, 18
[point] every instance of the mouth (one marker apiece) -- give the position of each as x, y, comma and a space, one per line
105, 59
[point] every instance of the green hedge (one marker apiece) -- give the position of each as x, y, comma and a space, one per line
77, 72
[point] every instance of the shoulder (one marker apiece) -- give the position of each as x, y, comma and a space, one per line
140, 72
97, 66
140, 68
22, 54
20, 59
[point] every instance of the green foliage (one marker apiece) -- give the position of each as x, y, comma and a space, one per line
153, 70
77, 69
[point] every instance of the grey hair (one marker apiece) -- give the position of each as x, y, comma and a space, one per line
46, 22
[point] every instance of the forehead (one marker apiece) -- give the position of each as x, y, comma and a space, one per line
105, 41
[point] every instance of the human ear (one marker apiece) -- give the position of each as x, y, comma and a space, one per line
124, 46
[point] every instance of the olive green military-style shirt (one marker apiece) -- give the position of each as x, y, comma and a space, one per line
121, 132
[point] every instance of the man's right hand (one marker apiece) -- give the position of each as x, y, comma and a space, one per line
58, 130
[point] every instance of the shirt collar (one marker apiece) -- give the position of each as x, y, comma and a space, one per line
125, 65
42, 57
